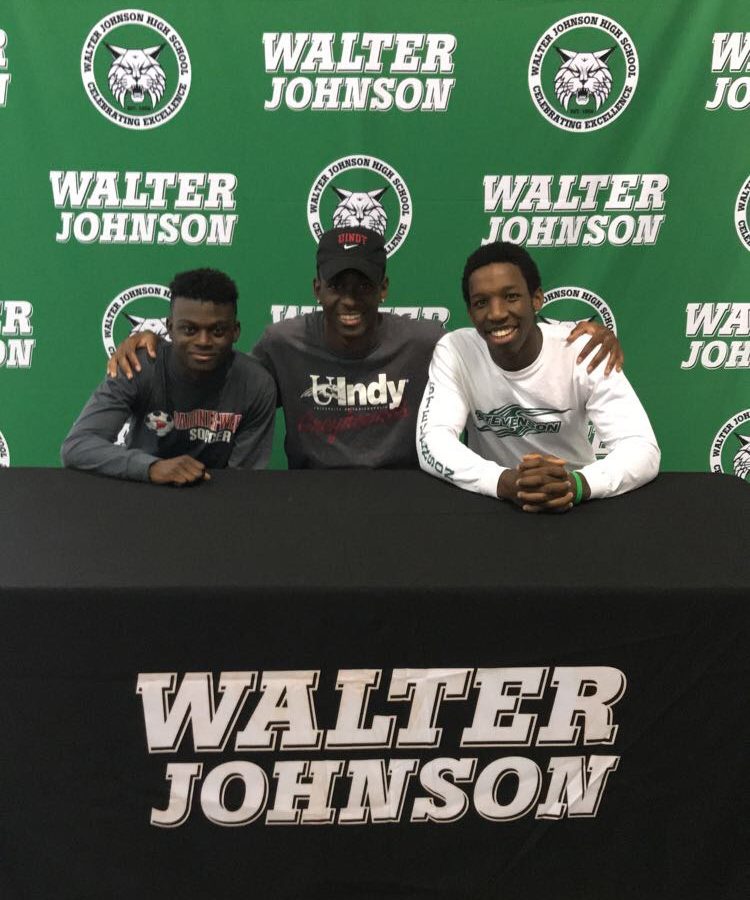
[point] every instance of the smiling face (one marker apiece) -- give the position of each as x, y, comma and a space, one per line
504, 313
202, 333
350, 303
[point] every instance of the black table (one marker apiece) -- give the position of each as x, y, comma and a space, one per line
550, 706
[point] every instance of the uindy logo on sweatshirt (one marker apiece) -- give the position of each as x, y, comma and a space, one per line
730, 449
135, 69
731, 55
712, 326
16, 343
258, 720
575, 210
335, 390
144, 207
325, 71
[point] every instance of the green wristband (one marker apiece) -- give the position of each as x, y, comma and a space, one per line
579, 488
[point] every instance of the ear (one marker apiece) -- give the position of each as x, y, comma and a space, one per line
603, 55
153, 52
384, 288
537, 301
341, 193
134, 320
236, 332
744, 441
376, 195
566, 55
116, 51
316, 288
169, 326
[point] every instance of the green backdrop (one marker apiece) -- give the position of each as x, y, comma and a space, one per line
607, 137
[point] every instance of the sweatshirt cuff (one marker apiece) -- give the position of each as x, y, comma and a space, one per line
489, 477
138, 465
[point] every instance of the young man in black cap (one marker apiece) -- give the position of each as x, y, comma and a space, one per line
349, 378
197, 405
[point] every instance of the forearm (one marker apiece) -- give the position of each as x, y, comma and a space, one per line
633, 462
441, 452
91, 453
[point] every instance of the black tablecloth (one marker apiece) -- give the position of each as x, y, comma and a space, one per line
379, 572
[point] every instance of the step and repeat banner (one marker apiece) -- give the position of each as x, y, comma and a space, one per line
605, 137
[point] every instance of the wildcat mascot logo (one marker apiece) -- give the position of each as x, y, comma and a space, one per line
730, 450
592, 77
584, 76
4, 452
150, 300
137, 73
351, 192
136, 69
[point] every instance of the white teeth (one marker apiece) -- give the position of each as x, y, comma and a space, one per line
501, 332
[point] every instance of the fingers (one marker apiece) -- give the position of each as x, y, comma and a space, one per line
556, 505
120, 361
579, 330
188, 470
125, 357
539, 476
536, 460
178, 471
588, 348
599, 357
616, 359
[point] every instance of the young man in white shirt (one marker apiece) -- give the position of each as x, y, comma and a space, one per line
514, 385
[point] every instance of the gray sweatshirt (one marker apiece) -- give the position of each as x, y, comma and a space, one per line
223, 419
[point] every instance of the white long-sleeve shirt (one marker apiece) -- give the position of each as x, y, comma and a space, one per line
544, 408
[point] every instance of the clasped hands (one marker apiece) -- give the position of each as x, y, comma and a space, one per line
540, 484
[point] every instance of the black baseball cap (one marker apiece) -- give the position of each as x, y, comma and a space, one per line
351, 248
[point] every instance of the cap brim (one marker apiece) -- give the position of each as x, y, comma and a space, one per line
332, 267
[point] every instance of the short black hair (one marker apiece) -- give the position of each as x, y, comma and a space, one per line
502, 252
209, 285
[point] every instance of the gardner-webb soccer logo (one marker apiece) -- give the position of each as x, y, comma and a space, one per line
591, 77
136, 69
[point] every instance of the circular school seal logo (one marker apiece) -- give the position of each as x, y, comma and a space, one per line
583, 72
148, 310
572, 304
135, 69
730, 449
740, 214
363, 192
4, 452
